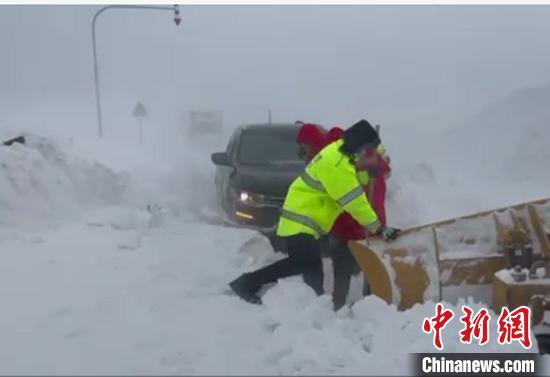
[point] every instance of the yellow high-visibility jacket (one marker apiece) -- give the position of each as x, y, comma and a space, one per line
328, 187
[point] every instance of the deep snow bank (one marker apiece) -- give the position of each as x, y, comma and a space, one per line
506, 144
495, 158
423, 193
52, 178
370, 338
41, 180
508, 137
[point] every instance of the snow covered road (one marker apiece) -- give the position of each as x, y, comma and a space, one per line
95, 284
122, 292
85, 299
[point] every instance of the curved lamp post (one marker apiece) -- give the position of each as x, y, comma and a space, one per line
177, 20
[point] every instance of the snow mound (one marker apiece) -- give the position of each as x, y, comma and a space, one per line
497, 158
420, 194
407, 194
40, 179
371, 338
508, 138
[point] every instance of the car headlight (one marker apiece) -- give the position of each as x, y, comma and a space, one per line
244, 196
248, 197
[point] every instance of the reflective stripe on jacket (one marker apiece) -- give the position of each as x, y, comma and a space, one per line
328, 187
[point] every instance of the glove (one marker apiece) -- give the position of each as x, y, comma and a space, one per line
374, 227
388, 233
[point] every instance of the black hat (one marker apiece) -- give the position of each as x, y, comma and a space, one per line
357, 136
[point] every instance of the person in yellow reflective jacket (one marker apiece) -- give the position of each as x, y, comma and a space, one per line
328, 186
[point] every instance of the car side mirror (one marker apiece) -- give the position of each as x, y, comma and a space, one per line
220, 158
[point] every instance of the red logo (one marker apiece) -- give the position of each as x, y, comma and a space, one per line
515, 325
478, 328
437, 323
512, 326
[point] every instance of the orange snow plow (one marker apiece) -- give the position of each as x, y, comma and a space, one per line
494, 256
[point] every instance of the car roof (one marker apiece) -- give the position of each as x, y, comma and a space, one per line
270, 127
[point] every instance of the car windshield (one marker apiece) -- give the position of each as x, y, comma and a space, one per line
268, 146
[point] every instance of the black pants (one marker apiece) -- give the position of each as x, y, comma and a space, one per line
304, 258
344, 267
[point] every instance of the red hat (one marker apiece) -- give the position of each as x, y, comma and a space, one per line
311, 134
335, 133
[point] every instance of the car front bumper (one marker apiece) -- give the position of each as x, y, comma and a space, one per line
263, 217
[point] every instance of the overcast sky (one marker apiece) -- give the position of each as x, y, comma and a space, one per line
396, 65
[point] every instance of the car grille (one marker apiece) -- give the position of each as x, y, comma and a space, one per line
273, 201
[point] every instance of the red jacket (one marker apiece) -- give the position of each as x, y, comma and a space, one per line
379, 173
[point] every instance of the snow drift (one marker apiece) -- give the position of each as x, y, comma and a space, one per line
508, 138
495, 158
40, 179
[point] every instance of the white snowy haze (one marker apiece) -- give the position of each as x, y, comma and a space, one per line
418, 68
92, 283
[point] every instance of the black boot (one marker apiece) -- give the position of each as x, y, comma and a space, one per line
245, 289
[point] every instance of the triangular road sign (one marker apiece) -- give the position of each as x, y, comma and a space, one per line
139, 111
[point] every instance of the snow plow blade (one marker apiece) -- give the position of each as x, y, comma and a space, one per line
458, 257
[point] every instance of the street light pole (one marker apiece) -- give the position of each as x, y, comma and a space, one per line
177, 20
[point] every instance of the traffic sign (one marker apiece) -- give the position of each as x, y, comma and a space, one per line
139, 111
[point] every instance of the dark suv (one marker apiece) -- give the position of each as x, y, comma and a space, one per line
254, 173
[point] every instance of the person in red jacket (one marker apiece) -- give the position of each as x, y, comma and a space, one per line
311, 139
379, 170
334, 134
